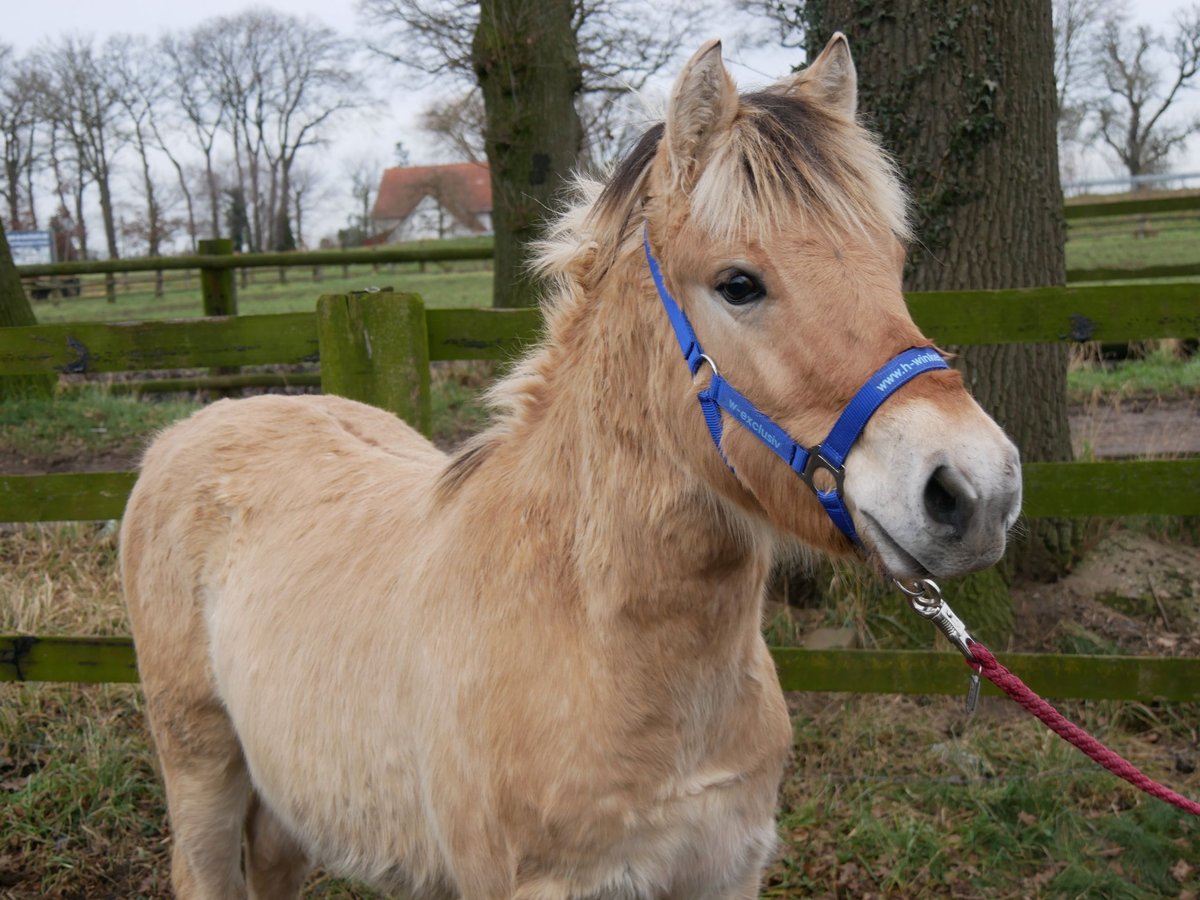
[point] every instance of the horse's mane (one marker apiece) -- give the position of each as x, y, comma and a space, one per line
784, 161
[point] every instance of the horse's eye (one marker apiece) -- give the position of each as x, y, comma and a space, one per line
740, 289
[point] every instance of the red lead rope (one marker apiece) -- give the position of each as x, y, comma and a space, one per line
1070, 732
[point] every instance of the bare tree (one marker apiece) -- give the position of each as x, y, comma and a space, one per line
313, 81
364, 174
135, 68
456, 125
1145, 74
430, 36
622, 44
787, 23
309, 188
279, 82
535, 64
234, 50
1076, 23
185, 59
83, 102
20, 122
69, 184
1076, 27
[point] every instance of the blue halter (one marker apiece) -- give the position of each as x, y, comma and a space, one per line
830, 454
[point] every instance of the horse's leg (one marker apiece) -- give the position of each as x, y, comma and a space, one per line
165, 539
207, 792
275, 863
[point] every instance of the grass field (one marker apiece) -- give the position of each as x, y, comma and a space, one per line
1161, 373
441, 285
1118, 242
1091, 243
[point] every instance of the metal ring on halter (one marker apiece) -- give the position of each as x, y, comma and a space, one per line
704, 357
924, 592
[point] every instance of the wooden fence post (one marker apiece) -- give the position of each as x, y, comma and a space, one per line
375, 348
219, 293
217, 285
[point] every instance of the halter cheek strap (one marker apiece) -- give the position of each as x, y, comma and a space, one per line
830, 454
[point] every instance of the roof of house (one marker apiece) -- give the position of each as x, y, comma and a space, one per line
465, 189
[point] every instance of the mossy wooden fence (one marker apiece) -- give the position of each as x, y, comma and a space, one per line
377, 348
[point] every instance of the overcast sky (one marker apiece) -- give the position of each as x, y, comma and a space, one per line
27, 23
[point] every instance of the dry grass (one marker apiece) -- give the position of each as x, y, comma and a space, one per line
61, 579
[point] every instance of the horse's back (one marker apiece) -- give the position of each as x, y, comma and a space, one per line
235, 438
273, 456
259, 477
263, 473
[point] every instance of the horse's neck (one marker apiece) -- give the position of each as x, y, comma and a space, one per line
648, 540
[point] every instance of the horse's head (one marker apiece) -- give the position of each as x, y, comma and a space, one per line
779, 226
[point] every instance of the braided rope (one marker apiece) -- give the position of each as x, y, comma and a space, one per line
1072, 733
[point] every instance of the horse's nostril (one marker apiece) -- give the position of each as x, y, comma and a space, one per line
948, 500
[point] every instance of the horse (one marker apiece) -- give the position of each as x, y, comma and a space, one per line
534, 669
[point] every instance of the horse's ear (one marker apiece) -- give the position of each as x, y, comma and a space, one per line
703, 104
830, 80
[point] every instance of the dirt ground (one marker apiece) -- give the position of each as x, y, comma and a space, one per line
1132, 593
1137, 428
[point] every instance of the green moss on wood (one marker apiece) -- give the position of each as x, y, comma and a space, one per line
176, 344
103, 660
374, 349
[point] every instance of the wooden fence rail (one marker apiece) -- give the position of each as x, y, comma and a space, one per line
377, 347
431, 251
1045, 315
1116, 488
91, 660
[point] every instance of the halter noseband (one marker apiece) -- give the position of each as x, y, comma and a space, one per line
830, 454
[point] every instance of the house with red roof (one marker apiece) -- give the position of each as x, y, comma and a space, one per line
432, 202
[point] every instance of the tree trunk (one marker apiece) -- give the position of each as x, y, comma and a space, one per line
15, 310
30, 171
214, 203
110, 230
81, 230
962, 93
153, 213
13, 193
527, 63
285, 238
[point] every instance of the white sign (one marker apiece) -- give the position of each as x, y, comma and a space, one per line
31, 247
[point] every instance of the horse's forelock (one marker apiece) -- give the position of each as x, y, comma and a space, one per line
791, 162
785, 158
